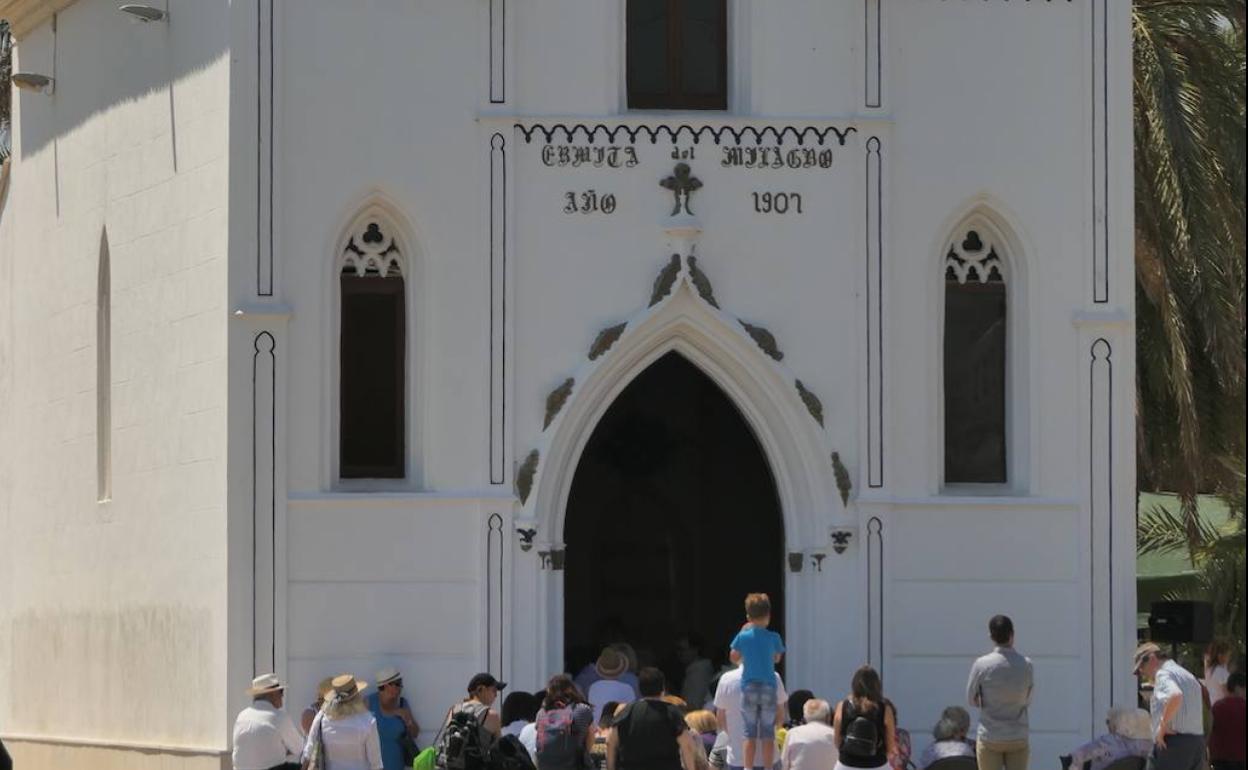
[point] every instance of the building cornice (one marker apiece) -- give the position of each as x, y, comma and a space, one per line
25, 15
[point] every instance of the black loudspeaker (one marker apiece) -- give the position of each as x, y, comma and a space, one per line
1181, 622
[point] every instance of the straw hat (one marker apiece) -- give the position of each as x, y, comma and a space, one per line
1142, 654
264, 684
346, 687
611, 663
388, 675
324, 688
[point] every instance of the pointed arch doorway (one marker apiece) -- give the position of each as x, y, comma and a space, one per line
672, 517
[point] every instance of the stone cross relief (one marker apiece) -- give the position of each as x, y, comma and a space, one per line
682, 183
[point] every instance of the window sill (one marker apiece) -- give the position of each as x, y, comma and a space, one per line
958, 498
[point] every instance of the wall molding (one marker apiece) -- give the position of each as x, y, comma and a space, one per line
264, 584
101, 743
874, 277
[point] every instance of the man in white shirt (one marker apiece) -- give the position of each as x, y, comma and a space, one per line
811, 746
732, 721
1177, 711
265, 737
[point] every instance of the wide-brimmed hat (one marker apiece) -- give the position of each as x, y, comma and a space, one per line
611, 663
387, 675
265, 683
324, 688
1142, 654
346, 687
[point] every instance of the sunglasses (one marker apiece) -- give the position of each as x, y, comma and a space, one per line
397, 684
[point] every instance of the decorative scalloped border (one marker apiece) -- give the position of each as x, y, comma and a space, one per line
717, 133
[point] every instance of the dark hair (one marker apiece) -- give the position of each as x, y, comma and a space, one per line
797, 700
650, 682
1001, 629
561, 692
866, 689
1235, 681
608, 714
519, 705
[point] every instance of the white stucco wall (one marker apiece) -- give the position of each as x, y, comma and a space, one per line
984, 109
112, 614
231, 547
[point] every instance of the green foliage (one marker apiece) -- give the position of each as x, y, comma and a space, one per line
1190, 234
1218, 559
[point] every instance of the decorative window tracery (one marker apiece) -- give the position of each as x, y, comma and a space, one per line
972, 260
975, 361
371, 252
372, 354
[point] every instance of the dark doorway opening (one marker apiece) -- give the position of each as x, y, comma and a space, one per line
672, 519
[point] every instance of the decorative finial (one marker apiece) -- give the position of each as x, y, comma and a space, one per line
682, 183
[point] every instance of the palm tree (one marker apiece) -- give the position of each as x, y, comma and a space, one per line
1219, 560
6, 68
1189, 241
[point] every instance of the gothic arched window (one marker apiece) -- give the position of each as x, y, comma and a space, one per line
372, 354
975, 361
677, 54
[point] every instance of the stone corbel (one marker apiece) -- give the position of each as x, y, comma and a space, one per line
553, 559
840, 539
816, 556
526, 530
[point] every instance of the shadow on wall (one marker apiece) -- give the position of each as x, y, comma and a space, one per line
101, 57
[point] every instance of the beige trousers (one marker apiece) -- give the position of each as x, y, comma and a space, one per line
995, 755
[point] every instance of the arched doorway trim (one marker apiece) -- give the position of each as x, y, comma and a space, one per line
685, 319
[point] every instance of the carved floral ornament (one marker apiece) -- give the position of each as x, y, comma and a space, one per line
371, 251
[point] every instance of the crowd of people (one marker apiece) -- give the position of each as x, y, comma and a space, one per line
616, 714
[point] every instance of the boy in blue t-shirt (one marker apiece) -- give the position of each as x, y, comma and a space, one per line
758, 651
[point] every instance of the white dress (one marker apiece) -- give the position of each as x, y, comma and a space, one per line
351, 743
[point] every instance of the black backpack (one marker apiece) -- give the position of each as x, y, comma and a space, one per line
459, 744
509, 754
861, 734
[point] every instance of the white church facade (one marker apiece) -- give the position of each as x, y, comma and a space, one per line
462, 335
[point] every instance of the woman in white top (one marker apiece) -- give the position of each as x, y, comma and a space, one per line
1217, 658
344, 735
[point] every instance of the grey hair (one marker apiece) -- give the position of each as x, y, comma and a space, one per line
954, 722
815, 710
1129, 723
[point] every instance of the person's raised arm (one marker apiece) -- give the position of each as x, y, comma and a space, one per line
836, 725
721, 718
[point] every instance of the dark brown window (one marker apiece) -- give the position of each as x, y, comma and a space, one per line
678, 54
372, 357
974, 364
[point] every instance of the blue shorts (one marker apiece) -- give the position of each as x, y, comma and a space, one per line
758, 710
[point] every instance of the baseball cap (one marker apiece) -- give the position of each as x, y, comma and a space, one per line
484, 680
